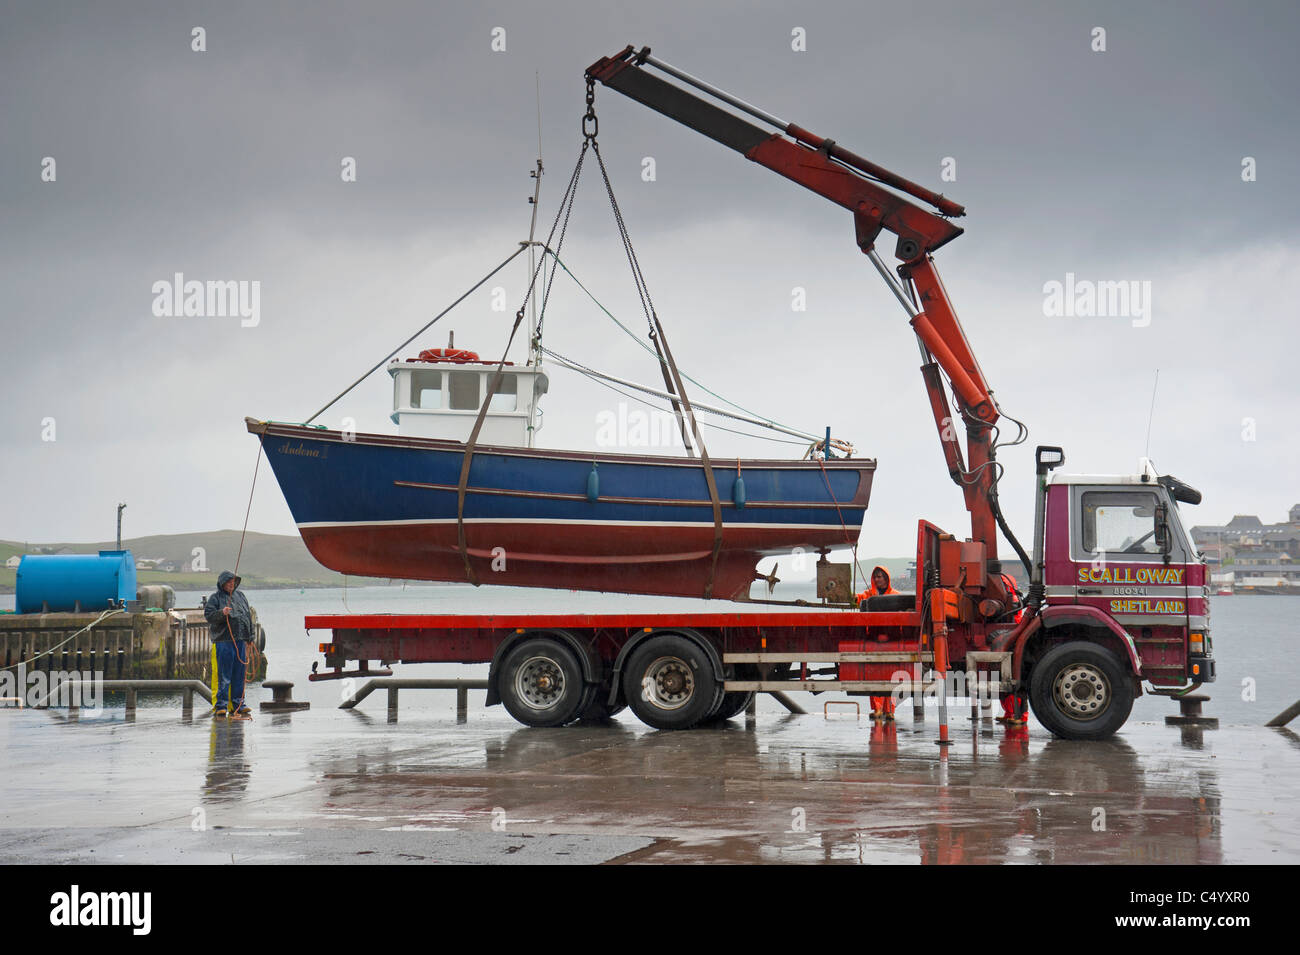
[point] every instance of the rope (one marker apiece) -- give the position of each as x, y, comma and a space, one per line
260, 439
563, 213
106, 613
661, 342
251, 664
431, 323
852, 544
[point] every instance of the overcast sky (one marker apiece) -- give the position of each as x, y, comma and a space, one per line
1117, 165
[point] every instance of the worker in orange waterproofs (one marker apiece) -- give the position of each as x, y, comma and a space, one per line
1014, 705
882, 707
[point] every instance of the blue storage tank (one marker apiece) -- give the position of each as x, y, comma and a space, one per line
62, 582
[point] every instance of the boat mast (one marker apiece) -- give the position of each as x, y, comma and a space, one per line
534, 343
535, 347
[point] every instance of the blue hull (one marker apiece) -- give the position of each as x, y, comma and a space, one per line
387, 507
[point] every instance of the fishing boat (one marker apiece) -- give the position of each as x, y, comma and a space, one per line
392, 506
461, 493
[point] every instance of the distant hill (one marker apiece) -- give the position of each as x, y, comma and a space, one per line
268, 560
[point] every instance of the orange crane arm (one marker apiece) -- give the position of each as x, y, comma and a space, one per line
855, 183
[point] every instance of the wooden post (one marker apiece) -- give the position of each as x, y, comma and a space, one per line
130, 702
462, 704
392, 704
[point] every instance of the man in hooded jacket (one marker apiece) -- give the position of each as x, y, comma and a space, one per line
230, 626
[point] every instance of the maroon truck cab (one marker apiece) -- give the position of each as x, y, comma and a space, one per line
1118, 557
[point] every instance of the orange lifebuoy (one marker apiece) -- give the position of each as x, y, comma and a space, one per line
458, 355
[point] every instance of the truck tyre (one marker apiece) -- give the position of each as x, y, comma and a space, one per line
1080, 691
732, 704
541, 684
735, 701
669, 683
598, 708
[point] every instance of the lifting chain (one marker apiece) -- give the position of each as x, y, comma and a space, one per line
590, 116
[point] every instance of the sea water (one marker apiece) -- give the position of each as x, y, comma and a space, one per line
1257, 675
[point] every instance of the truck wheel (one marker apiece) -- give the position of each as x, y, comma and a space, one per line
736, 701
669, 683
1080, 691
541, 683
598, 708
732, 704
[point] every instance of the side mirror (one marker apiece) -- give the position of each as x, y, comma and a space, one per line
1162, 530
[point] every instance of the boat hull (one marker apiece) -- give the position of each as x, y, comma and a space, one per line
385, 506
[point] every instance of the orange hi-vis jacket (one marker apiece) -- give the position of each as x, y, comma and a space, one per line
872, 592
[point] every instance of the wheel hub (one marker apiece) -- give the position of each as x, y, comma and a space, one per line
1081, 691
539, 683
669, 683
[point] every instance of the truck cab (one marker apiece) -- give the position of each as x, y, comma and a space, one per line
1124, 586
1116, 545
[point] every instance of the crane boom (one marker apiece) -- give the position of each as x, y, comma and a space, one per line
859, 185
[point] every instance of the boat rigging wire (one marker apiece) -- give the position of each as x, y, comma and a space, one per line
423, 329
562, 214
636, 338
707, 424
572, 365
609, 382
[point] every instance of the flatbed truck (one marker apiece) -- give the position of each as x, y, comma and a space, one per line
1117, 593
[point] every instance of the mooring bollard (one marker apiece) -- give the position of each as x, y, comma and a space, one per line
282, 700
1189, 714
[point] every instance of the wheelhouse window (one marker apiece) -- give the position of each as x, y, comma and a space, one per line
1118, 522
426, 389
464, 390
506, 397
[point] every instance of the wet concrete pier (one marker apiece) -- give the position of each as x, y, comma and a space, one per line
348, 787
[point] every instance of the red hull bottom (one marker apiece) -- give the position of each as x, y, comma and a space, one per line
666, 560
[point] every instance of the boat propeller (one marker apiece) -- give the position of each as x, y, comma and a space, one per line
772, 579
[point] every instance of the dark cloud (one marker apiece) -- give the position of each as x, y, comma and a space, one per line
225, 165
